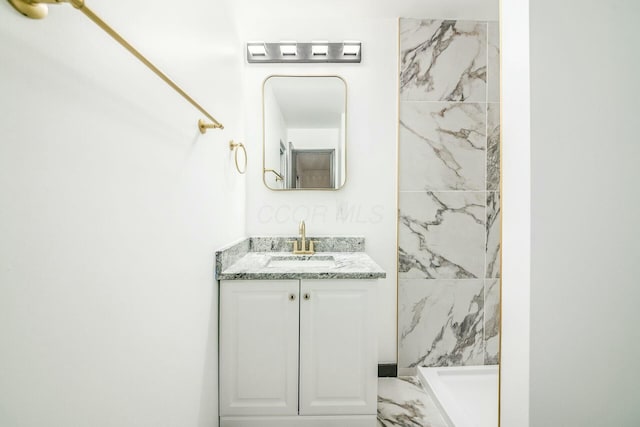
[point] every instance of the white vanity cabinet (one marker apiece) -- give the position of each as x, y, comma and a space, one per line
298, 353
259, 324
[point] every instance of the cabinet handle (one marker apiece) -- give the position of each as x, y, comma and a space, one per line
292, 297
307, 296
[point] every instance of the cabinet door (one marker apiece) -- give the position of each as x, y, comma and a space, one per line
259, 347
338, 349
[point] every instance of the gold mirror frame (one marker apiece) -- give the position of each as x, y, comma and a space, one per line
266, 170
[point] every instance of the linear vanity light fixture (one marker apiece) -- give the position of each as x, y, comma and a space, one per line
291, 51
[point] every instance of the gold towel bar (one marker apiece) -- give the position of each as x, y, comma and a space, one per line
37, 10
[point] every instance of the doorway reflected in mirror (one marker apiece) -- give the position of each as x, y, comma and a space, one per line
312, 168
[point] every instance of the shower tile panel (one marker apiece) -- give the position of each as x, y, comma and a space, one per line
441, 322
449, 182
403, 402
493, 147
493, 66
493, 250
442, 235
443, 60
442, 146
491, 321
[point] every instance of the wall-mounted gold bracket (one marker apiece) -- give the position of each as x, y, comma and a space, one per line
37, 9
203, 126
30, 10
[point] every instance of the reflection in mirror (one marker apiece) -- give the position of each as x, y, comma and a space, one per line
304, 125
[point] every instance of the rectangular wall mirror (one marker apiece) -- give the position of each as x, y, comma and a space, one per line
304, 132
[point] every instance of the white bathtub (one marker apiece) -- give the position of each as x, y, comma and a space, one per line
467, 395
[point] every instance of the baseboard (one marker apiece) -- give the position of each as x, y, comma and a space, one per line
407, 372
387, 370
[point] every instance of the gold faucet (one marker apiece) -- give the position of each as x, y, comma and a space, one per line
302, 229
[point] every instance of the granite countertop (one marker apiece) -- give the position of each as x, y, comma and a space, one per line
250, 260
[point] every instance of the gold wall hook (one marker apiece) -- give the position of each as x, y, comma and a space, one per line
236, 146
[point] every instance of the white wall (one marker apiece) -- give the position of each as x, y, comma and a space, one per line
585, 206
111, 207
256, 11
366, 205
516, 217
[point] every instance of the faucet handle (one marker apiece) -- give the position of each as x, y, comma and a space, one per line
311, 247
295, 245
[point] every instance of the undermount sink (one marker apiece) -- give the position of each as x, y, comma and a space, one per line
298, 261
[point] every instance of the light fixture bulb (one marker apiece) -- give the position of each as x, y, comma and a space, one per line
351, 48
288, 48
320, 48
257, 49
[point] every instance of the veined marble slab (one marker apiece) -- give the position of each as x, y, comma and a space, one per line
493, 68
442, 146
449, 183
493, 250
491, 321
402, 402
443, 60
493, 147
440, 322
442, 235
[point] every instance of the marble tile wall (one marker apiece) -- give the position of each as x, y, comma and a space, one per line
449, 183
403, 402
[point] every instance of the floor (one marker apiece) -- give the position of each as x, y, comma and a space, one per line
403, 402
